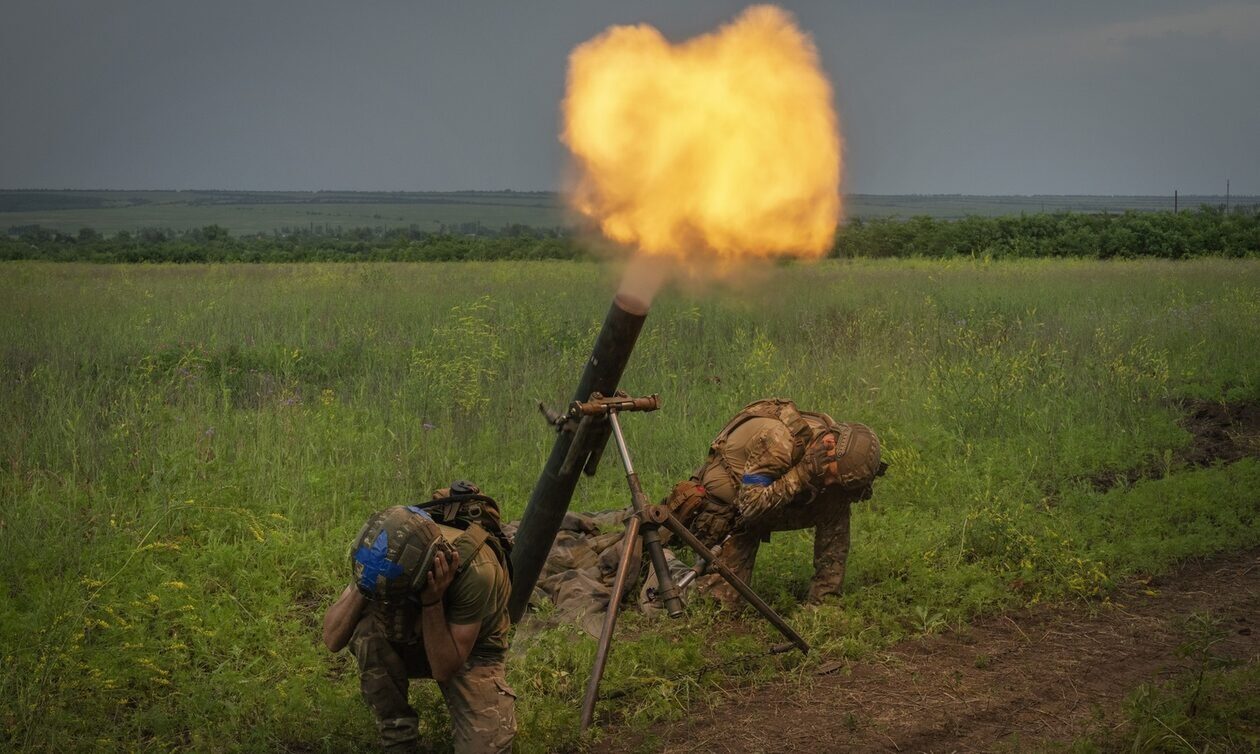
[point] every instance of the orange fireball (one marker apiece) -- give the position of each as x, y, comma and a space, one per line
724, 146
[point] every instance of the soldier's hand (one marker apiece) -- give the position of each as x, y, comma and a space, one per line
820, 459
440, 576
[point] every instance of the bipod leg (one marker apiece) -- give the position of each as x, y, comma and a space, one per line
660, 515
630, 543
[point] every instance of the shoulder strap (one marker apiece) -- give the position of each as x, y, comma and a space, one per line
472, 540
467, 545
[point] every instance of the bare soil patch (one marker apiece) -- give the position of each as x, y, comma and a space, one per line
1035, 676
1222, 433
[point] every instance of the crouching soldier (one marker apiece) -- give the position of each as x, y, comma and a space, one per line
775, 468
429, 600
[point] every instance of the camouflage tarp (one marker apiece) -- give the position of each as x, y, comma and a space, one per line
578, 575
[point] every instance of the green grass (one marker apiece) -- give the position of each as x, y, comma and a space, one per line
1212, 706
263, 212
186, 451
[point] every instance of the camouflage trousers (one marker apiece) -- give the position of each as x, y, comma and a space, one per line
830, 522
482, 705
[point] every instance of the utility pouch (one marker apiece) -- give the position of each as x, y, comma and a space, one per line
685, 500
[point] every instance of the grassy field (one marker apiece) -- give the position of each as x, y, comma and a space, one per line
267, 211
186, 451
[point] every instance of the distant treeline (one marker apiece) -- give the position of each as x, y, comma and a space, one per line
1203, 232
214, 244
1207, 231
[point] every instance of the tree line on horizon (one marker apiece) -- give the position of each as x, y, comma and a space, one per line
1207, 231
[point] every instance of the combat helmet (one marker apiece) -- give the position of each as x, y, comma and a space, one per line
392, 555
857, 456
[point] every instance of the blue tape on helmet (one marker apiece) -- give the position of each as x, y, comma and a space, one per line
376, 563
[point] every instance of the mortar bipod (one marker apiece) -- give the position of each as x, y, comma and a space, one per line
644, 523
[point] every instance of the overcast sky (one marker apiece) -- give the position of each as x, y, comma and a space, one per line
971, 97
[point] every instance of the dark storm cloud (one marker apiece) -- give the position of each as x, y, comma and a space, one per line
1140, 96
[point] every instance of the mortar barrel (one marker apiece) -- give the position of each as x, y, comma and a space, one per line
552, 493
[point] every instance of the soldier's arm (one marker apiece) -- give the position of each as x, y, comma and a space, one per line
770, 480
446, 645
341, 618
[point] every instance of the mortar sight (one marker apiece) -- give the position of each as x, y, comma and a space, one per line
598, 405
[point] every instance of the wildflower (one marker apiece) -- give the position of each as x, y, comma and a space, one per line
175, 585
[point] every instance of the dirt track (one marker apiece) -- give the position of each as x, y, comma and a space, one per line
1034, 676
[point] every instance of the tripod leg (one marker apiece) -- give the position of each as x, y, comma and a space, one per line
651, 539
630, 544
664, 580
661, 515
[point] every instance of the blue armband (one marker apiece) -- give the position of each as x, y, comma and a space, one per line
757, 480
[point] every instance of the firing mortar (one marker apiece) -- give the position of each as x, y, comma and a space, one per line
572, 454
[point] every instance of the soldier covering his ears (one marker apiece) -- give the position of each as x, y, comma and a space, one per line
775, 468
429, 600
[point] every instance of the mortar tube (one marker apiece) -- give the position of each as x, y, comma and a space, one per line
553, 491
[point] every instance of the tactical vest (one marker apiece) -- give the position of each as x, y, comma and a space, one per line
781, 409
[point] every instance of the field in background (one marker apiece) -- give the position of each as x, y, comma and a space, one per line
267, 211
186, 451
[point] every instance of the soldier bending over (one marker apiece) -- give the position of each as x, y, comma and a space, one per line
774, 468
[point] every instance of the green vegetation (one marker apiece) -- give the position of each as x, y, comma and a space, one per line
253, 212
214, 244
186, 452
1132, 234
1213, 707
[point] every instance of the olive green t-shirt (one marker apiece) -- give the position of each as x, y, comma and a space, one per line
480, 595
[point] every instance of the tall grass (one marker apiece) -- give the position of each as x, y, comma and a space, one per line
186, 451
